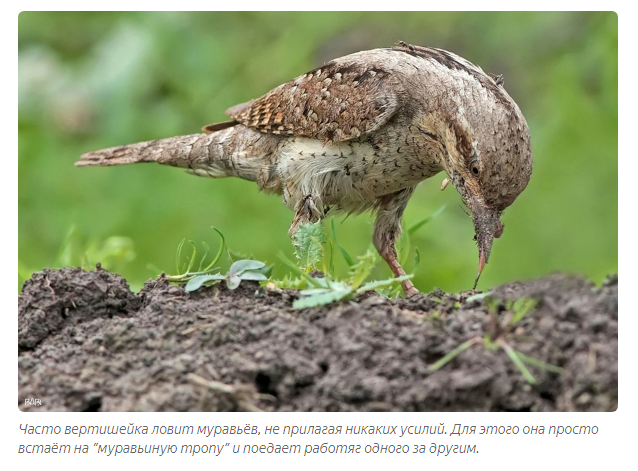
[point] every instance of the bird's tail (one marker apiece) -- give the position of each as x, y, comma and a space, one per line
228, 152
180, 151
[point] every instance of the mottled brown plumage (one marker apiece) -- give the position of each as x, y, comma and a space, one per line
359, 133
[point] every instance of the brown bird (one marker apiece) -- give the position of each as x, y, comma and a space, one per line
359, 133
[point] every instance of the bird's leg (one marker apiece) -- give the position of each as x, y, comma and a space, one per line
309, 209
387, 229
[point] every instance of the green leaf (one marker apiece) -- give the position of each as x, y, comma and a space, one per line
191, 260
233, 282
454, 353
219, 251
417, 259
198, 281
253, 276
331, 264
361, 271
308, 242
477, 297
425, 220
540, 364
178, 256
299, 271
266, 271
242, 265
201, 262
320, 299
314, 291
519, 364
521, 308
346, 255
374, 285
328, 286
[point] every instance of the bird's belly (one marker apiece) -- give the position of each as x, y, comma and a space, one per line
348, 175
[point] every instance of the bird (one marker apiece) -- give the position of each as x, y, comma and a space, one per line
358, 134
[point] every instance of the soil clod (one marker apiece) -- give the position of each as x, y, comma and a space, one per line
87, 343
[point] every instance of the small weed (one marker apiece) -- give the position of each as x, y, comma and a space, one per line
322, 291
344, 252
308, 242
241, 270
112, 253
495, 339
252, 270
185, 270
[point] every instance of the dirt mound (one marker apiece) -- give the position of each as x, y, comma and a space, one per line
86, 343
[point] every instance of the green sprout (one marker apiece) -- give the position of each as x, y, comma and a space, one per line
314, 292
186, 273
496, 338
325, 290
308, 242
241, 270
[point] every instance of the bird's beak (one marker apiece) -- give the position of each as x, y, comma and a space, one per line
487, 225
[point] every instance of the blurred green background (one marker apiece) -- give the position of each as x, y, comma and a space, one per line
94, 80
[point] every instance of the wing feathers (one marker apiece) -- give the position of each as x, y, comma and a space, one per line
336, 102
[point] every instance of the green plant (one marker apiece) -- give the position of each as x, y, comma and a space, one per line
496, 338
186, 273
112, 253
252, 270
308, 242
247, 270
326, 290
318, 291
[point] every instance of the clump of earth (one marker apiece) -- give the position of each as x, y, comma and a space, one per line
87, 343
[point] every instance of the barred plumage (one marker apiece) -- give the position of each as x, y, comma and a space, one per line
359, 133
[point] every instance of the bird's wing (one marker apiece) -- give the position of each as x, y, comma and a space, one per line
338, 101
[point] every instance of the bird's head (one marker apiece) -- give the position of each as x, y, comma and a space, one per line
489, 165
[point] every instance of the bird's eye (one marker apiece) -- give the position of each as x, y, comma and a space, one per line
474, 167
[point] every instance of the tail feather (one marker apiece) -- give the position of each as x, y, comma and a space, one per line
180, 151
234, 151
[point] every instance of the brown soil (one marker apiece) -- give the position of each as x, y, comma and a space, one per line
87, 343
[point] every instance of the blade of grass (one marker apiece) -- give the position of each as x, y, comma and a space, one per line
346, 255
191, 260
453, 354
425, 220
178, 255
299, 271
517, 361
374, 285
220, 251
417, 259
522, 307
331, 262
201, 262
540, 364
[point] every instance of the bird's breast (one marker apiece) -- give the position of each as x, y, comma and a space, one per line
352, 175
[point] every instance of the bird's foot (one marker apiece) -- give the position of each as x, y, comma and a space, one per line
409, 289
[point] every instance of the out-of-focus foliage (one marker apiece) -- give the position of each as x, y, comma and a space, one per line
95, 80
